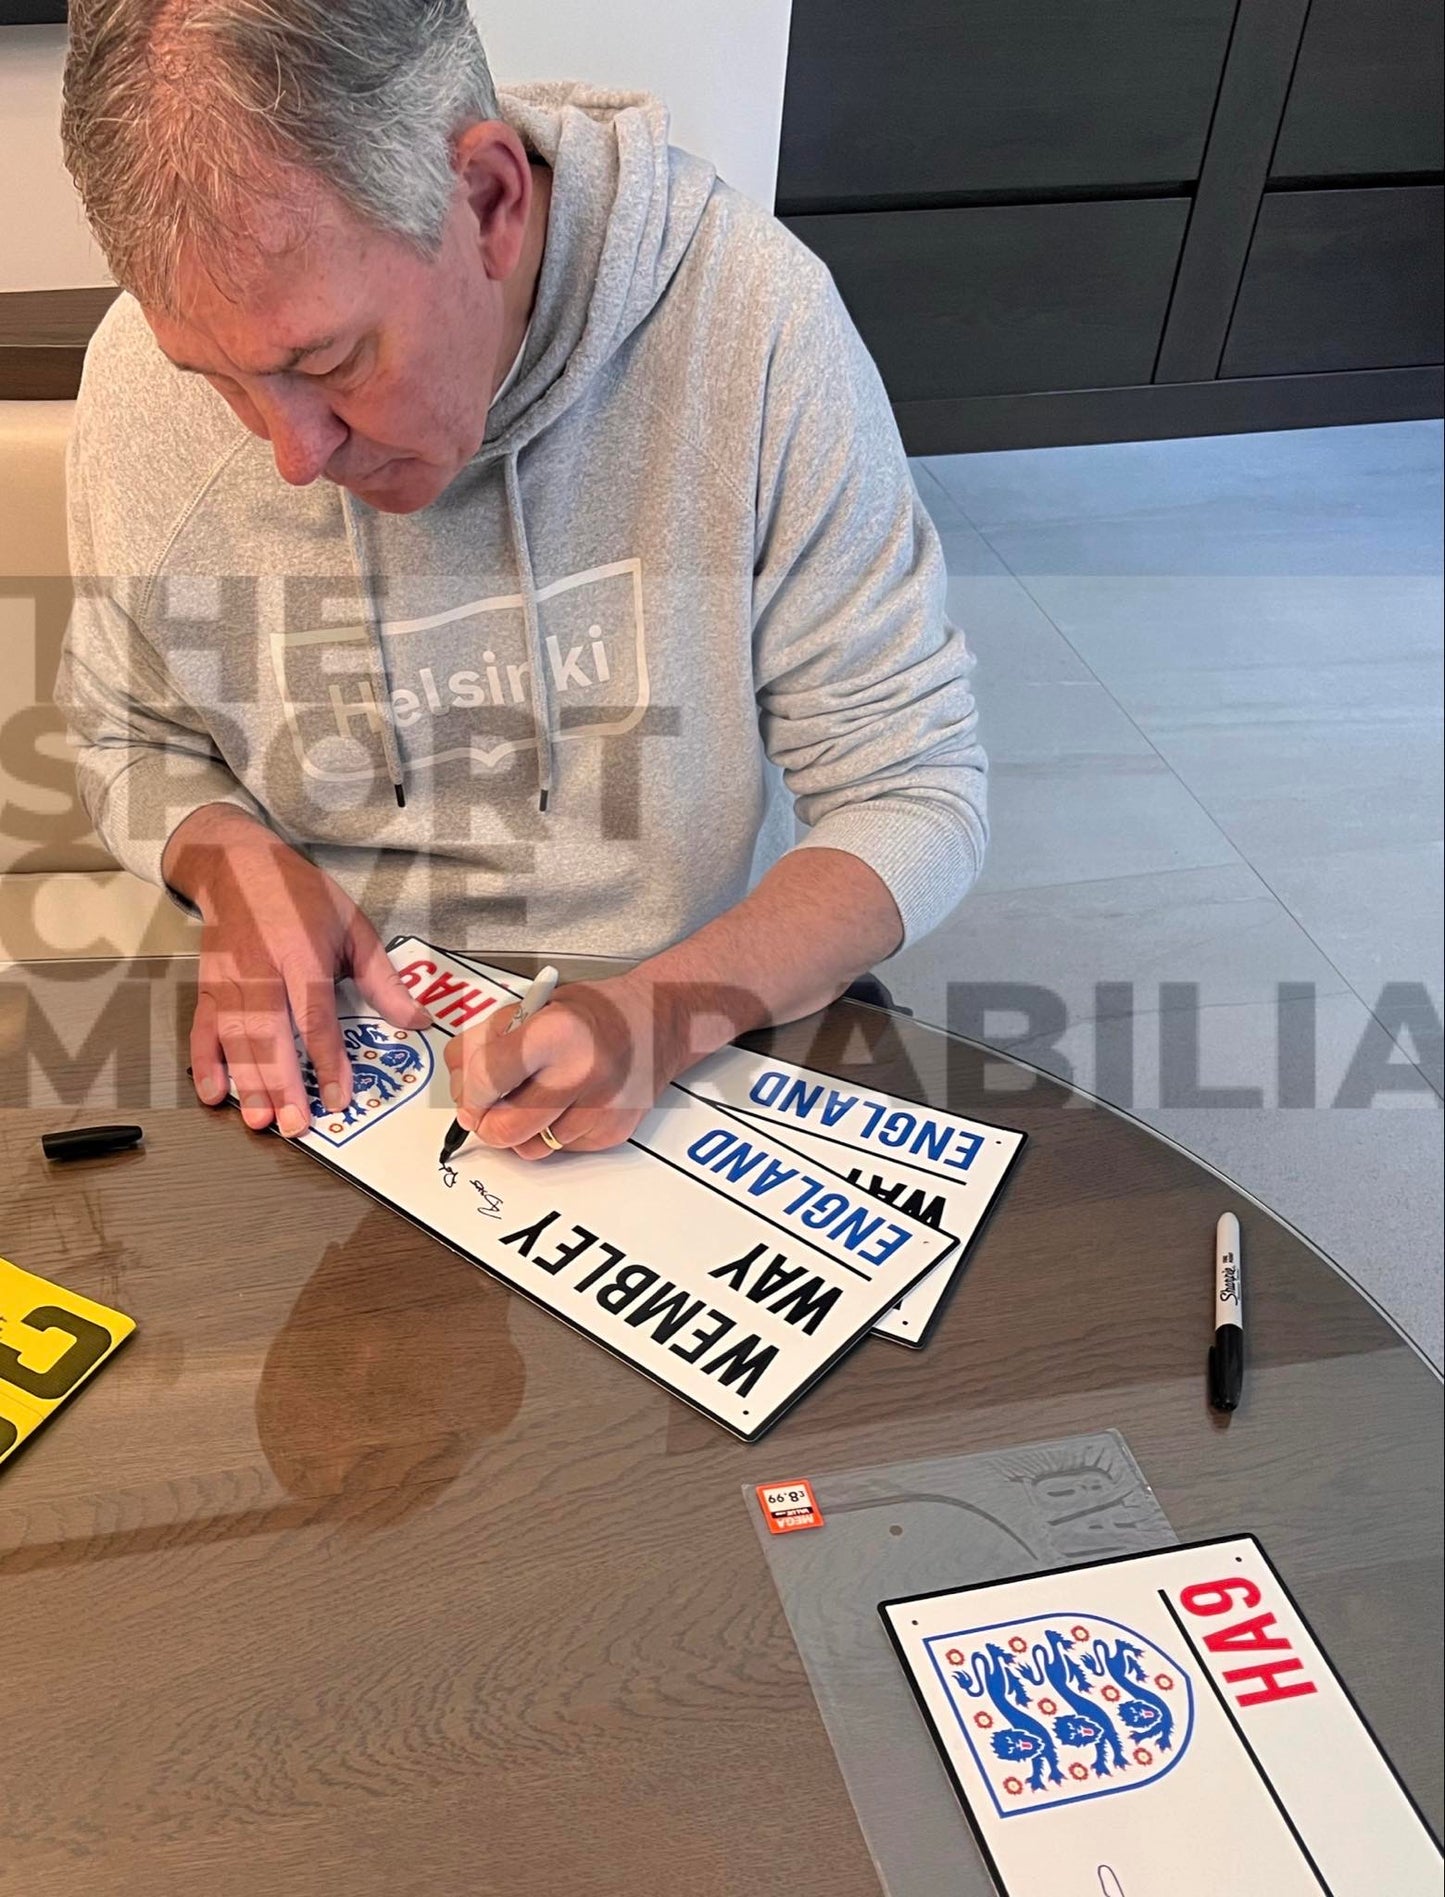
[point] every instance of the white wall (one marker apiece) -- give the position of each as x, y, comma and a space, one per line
44, 244
718, 63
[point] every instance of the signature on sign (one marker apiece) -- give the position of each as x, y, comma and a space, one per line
491, 1203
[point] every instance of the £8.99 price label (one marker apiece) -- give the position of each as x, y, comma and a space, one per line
788, 1506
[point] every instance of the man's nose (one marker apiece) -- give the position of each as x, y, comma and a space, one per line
304, 433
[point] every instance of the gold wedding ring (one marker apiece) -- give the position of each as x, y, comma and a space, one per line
549, 1138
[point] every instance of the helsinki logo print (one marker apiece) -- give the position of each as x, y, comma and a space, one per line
1057, 1709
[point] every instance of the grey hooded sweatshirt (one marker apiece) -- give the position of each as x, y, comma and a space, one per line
684, 594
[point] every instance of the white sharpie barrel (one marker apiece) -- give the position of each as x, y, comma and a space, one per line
1228, 1275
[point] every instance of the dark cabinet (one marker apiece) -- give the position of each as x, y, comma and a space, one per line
1083, 220
1006, 297
1367, 94
1340, 280
924, 100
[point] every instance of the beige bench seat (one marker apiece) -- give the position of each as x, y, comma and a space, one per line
61, 895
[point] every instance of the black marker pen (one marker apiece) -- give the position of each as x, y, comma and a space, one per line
538, 994
1226, 1358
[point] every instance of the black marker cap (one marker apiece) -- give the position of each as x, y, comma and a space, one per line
1226, 1368
92, 1142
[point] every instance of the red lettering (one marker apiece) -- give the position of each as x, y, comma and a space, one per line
1246, 1636
466, 1007
443, 986
1269, 1671
414, 972
1212, 1597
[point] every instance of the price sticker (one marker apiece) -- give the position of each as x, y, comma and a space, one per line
788, 1506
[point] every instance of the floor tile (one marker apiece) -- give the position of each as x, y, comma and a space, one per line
1376, 913
1124, 622
1265, 612
1040, 721
968, 555
936, 497
1326, 1052
1301, 761
1400, 693
1091, 817
1009, 633
1217, 929
1230, 538
1321, 467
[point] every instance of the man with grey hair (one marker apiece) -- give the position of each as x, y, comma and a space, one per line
488, 526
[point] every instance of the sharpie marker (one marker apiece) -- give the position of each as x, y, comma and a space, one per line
538, 994
1226, 1358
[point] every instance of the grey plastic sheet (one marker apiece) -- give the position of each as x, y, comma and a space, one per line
914, 1528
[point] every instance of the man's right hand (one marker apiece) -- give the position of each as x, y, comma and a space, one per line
277, 935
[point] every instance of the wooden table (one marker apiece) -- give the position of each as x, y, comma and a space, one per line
356, 1573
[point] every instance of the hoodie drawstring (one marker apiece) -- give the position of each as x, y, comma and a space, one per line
531, 612
541, 693
381, 682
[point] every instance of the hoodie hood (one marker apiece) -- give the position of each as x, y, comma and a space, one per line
625, 207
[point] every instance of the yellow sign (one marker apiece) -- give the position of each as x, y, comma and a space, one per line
51, 1340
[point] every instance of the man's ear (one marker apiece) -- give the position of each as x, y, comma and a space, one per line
496, 179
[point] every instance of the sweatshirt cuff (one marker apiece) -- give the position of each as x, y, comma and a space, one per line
144, 808
927, 860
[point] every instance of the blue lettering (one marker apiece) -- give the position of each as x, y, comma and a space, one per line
857, 1227
838, 1107
932, 1139
737, 1164
971, 1143
812, 1185
897, 1129
800, 1099
886, 1247
766, 1088
828, 1207
706, 1149
773, 1174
